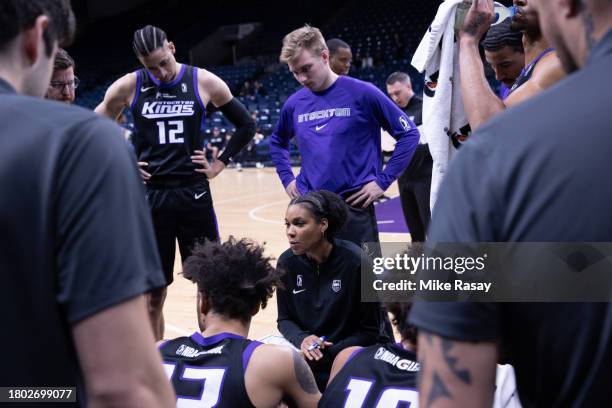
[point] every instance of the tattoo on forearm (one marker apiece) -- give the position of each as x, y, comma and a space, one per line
421, 372
304, 375
472, 27
589, 26
463, 375
433, 374
437, 390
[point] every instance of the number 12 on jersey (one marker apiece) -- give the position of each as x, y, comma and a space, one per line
172, 132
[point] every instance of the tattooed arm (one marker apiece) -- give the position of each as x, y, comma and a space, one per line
456, 373
278, 373
301, 390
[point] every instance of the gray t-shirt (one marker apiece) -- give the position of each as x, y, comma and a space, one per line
76, 233
538, 173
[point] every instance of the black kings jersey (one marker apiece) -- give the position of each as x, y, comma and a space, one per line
168, 121
208, 371
379, 376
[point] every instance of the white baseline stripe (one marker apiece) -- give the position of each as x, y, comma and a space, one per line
241, 198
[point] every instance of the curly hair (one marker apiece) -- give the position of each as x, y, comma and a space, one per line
400, 312
325, 204
234, 276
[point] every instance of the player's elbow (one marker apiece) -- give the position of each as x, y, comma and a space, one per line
103, 110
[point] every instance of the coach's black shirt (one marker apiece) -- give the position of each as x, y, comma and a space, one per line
538, 173
421, 162
76, 234
414, 110
325, 299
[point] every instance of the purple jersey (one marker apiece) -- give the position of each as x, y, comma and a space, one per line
504, 92
338, 136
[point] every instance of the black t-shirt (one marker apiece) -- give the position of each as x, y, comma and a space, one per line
379, 376
414, 110
421, 162
538, 173
325, 299
76, 233
168, 121
209, 369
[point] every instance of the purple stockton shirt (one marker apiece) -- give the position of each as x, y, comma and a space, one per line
338, 135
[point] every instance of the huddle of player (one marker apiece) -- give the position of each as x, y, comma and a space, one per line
221, 367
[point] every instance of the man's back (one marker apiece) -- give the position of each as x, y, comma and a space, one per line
209, 369
228, 370
68, 208
382, 375
540, 180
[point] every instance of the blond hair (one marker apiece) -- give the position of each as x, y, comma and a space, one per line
307, 37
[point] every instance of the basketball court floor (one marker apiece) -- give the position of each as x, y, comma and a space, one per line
252, 204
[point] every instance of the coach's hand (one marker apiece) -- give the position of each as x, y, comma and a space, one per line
211, 170
311, 353
292, 190
477, 19
368, 193
145, 176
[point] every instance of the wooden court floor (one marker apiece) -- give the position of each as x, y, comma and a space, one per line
250, 204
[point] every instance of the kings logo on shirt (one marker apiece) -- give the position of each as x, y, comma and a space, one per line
167, 109
337, 285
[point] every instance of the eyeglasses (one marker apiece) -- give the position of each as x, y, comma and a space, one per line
60, 85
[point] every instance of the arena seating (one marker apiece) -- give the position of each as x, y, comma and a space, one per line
369, 28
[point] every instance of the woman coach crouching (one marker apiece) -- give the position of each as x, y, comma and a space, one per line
320, 309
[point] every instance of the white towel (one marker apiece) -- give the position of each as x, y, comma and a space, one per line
438, 56
506, 395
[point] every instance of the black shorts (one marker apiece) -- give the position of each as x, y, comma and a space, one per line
184, 213
361, 225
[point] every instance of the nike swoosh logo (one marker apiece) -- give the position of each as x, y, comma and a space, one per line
142, 89
317, 128
197, 196
295, 292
